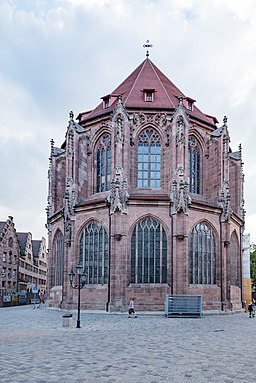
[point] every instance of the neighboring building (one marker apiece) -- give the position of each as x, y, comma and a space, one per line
247, 288
40, 259
33, 263
147, 195
9, 256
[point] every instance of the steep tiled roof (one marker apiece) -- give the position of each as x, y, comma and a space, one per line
23, 237
145, 77
36, 247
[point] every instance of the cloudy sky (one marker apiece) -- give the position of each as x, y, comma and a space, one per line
63, 55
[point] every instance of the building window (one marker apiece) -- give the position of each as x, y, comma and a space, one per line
4, 257
234, 260
148, 253
148, 95
193, 166
94, 253
59, 258
106, 102
190, 105
149, 159
202, 255
103, 164
10, 242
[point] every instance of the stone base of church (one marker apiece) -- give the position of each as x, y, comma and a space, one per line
55, 298
146, 299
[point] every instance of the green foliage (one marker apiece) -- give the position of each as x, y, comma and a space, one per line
253, 265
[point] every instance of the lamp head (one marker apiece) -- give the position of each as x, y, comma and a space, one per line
84, 276
71, 276
79, 269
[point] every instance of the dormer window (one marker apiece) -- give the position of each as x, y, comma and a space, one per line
148, 95
106, 103
190, 105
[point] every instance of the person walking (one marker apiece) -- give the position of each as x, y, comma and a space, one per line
251, 309
131, 310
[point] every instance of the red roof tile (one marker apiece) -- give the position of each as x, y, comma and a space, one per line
145, 77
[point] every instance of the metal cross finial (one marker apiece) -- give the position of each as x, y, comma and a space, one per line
147, 45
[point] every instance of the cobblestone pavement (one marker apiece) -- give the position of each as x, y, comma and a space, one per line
110, 348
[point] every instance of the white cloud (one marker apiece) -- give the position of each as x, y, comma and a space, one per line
63, 55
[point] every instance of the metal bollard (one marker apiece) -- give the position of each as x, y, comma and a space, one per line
67, 320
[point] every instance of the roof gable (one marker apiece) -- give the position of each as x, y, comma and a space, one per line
36, 247
22, 237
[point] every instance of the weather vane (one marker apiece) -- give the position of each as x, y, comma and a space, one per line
147, 45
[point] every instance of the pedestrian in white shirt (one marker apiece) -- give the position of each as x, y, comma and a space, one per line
131, 310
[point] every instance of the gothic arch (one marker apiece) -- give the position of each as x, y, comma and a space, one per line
201, 140
148, 215
148, 252
94, 252
149, 155
234, 263
58, 259
202, 250
102, 154
195, 165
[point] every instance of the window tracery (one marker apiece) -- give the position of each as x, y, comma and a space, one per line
59, 258
149, 159
148, 252
202, 255
193, 166
94, 253
103, 166
234, 249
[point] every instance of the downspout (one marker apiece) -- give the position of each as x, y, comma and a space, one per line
221, 266
241, 268
172, 274
109, 256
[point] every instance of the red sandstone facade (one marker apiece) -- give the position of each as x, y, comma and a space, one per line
147, 195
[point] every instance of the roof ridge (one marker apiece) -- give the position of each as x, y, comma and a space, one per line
144, 63
167, 94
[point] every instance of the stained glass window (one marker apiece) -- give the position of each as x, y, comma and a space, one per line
149, 159
94, 253
58, 247
103, 166
202, 255
148, 252
234, 257
193, 166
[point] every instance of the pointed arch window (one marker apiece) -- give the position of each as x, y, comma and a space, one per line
234, 260
202, 255
148, 252
103, 166
58, 247
94, 253
193, 166
149, 159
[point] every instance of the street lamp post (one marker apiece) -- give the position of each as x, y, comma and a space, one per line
81, 282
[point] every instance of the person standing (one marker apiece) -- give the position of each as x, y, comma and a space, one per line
131, 310
251, 309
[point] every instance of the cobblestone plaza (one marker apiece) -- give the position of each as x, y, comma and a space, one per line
110, 348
